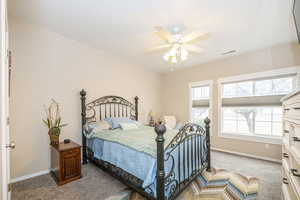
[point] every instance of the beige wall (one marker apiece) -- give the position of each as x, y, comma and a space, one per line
175, 90
48, 65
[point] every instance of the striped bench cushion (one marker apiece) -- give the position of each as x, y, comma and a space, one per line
219, 184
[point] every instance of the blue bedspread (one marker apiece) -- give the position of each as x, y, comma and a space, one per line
137, 163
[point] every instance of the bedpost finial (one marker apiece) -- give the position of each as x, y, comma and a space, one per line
160, 129
136, 98
82, 92
207, 121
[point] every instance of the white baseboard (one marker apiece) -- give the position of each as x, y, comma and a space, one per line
247, 155
22, 178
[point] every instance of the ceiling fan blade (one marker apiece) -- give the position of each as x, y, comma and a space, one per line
193, 48
163, 33
194, 36
157, 48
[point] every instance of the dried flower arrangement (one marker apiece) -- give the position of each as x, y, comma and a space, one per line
53, 122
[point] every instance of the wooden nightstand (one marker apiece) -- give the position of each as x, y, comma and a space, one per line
65, 162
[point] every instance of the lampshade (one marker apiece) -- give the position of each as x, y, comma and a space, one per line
151, 113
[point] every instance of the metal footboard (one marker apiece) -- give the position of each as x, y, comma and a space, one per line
183, 159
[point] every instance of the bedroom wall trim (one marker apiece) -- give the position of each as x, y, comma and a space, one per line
246, 155
22, 178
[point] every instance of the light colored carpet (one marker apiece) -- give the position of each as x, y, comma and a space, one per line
97, 185
268, 173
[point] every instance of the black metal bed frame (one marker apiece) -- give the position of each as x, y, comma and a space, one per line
191, 146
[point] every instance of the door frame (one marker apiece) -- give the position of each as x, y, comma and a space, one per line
4, 103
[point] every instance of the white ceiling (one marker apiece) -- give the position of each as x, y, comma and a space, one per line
124, 27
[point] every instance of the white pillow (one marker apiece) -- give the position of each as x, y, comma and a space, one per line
170, 121
128, 126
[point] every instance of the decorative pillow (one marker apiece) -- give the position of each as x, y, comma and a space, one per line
128, 126
91, 127
87, 130
170, 121
115, 121
102, 124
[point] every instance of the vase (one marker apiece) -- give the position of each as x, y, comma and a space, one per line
54, 135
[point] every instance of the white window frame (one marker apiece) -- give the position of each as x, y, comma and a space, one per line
208, 83
251, 76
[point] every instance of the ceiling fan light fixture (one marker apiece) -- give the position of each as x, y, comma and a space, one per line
180, 45
176, 54
184, 52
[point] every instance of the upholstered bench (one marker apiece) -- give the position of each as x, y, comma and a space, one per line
219, 184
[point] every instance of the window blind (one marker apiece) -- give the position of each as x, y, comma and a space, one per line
200, 96
273, 100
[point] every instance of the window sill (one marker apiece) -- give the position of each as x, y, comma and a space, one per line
253, 138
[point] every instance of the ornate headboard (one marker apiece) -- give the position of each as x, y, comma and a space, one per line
104, 107
111, 106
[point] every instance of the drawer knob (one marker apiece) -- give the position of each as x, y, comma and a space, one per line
296, 139
285, 155
286, 131
286, 109
295, 172
285, 181
297, 108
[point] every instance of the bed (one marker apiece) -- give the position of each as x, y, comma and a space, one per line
159, 163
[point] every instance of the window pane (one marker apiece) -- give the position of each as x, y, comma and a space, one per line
264, 121
263, 88
263, 114
229, 90
229, 126
228, 114
277, 114
270, 86
263, 128
277, 129
200, 92
243, 127
238, 120
199, 114
283, 85
244, 89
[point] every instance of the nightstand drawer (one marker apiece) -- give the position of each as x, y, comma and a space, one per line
71, 152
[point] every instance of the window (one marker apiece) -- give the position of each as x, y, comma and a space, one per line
200, 101
252, 107
276, 86
200, 92
264, 121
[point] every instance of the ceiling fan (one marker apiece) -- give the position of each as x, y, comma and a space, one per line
180, 46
